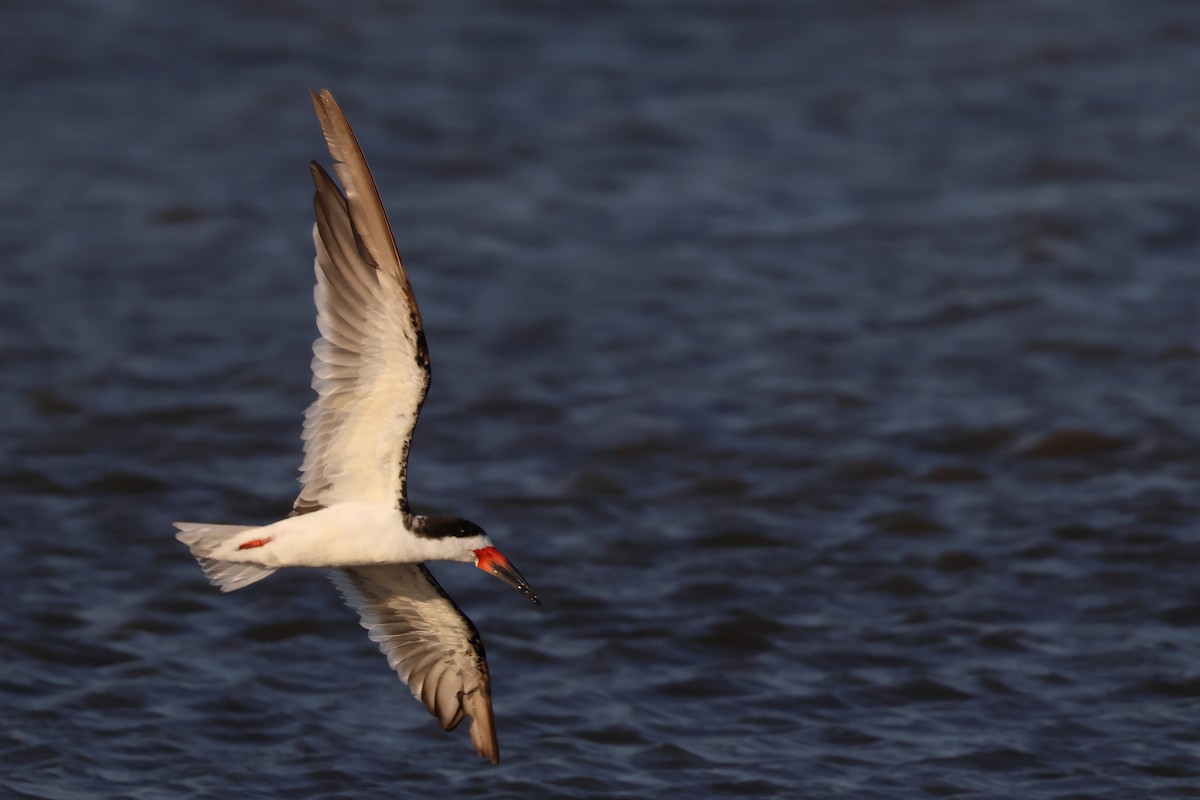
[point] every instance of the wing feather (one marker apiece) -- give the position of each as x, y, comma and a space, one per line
371, 372
371, 364
428, 641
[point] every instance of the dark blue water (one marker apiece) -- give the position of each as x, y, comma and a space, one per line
830, 369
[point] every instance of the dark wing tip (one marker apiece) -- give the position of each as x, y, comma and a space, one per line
478, 707
324, 104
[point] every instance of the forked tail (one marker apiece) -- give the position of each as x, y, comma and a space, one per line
203, 539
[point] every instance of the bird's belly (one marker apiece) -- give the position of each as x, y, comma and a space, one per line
342, 535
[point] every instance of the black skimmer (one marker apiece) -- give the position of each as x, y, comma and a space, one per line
371, 372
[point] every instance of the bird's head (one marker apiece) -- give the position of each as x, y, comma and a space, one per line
473, 544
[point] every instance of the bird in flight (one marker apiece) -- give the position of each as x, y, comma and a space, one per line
371, 373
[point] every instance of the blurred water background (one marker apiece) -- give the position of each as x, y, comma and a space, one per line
830, 369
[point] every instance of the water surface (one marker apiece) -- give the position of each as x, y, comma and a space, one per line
830, 369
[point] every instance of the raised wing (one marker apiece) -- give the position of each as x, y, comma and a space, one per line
371, 364
430, 643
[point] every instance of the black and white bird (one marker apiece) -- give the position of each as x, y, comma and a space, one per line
370, 372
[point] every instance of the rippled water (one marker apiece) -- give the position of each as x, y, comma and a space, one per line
830, 369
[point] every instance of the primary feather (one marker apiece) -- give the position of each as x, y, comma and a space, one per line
371, 364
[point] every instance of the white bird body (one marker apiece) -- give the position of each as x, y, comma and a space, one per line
347, 534
371, 373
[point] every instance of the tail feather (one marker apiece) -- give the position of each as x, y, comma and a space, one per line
203, 539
